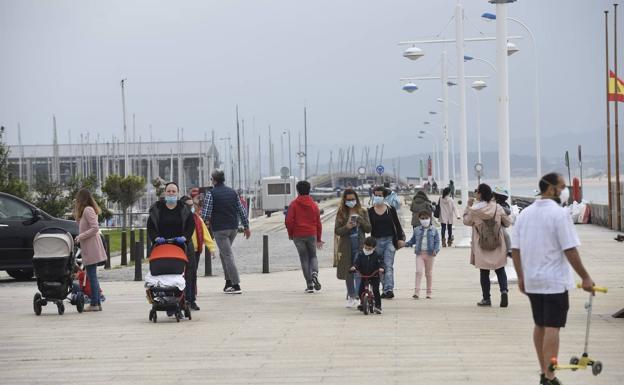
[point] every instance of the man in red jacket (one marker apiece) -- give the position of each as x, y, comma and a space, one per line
303, 223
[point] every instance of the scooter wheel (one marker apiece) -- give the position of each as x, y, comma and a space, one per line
574, 361
596, 368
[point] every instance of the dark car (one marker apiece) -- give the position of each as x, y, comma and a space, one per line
20, 221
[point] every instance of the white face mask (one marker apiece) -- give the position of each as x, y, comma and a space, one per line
425, 222
368, 252
564, 196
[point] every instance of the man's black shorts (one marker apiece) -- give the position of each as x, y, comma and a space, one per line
550, 310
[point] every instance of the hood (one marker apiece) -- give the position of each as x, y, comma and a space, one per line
485, 210
305, 200
421, 196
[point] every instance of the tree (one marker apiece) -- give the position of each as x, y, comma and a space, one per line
8, 183
124, 191
90, 183
51, 198
159, 185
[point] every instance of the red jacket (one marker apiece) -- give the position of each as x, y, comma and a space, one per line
304, 218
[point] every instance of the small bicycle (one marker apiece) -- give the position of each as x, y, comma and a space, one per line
367, 299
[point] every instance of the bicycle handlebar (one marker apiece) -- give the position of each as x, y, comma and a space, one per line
367, 276
599, 289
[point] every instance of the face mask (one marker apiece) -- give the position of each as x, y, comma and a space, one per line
425, 222
350, 204
171, 200
564, 196
377, 200
193, 210
368, 252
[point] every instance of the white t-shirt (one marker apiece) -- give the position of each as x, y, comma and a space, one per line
542, 232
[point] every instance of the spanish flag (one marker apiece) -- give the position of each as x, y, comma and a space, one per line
613, 81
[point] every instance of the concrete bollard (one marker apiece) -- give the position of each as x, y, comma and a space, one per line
207, 263
107, 264
265, 254
138, 262
124, 249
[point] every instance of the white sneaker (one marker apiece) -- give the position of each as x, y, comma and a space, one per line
351, 302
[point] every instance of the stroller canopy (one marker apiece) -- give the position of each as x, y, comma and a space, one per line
48, 244
167, 251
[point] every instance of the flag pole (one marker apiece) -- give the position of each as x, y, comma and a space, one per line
617, 142
609, 187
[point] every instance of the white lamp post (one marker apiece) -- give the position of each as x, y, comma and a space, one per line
478, 85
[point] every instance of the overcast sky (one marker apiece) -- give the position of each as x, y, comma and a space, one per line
189, 63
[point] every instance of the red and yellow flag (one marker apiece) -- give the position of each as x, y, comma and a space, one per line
613, 82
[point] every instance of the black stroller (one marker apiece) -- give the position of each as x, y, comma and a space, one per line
165, 282
53, 264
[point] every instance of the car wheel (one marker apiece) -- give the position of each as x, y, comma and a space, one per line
21, 274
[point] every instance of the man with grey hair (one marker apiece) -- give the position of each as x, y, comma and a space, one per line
222, 211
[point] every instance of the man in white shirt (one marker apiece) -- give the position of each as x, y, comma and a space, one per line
544, 246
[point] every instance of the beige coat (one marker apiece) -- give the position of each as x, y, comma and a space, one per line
91, 246
343, 251
474, 216
448, 210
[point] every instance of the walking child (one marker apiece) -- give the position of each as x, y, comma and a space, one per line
368, 262
426, 242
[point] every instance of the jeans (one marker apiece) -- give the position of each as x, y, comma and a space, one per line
306, 247
95, 284
450, 230
485, 281
190, 275
374, 282
224, 239
385, 248
353, 279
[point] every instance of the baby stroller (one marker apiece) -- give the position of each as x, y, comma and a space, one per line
165, 281
53, 264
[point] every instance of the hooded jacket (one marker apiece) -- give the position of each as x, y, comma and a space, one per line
474, 216
304, 218
420, 202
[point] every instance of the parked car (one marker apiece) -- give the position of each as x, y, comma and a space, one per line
20, 221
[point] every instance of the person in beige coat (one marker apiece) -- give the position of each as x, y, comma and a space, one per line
485, 260
86, 212
448, 212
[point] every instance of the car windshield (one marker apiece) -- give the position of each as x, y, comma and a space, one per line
12, 209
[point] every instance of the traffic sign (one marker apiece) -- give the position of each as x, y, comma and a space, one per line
380, 169
362, 170
285, 172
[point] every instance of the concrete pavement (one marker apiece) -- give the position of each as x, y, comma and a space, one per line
274, 333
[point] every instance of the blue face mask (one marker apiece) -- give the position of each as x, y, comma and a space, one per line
350, 204
377, 200
171, 200
193, 209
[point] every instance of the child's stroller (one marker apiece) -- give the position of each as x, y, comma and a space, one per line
53, 264
165, 282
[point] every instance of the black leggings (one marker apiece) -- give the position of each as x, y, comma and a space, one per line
450, 230
485, 281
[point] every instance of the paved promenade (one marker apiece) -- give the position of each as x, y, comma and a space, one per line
274, 333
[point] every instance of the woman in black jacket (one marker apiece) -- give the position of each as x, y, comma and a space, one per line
387, 230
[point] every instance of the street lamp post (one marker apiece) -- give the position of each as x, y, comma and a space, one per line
435, 158
478, 85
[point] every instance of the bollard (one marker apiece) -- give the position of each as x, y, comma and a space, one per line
132, 242
107, 264
138, 262
142, 240
124, 249
265, 254
207, 263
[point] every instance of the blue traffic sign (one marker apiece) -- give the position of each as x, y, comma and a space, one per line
380, 169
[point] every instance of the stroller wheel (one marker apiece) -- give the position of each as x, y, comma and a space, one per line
61, 307
152, 315
80, 303
37, 304
187, 312
155, 317
596, 368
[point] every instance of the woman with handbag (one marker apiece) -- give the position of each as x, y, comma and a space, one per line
86, 212
386, 229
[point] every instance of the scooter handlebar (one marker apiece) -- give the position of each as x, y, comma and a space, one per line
599, 289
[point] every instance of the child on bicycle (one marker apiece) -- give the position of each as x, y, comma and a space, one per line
369, 264
426, 242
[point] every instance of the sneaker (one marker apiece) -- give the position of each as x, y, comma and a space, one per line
309, 289
228, 284
504, 300
554, 381
542, 379
389, 294
444, 243
429, 297
383, 295
415, 296
484, 302
234, 289
194, 306
351, 302
376, 310
315, 281
360, 307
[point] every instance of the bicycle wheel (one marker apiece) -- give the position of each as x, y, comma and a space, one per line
365, 300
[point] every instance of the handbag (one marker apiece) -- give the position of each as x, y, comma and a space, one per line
436, 211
